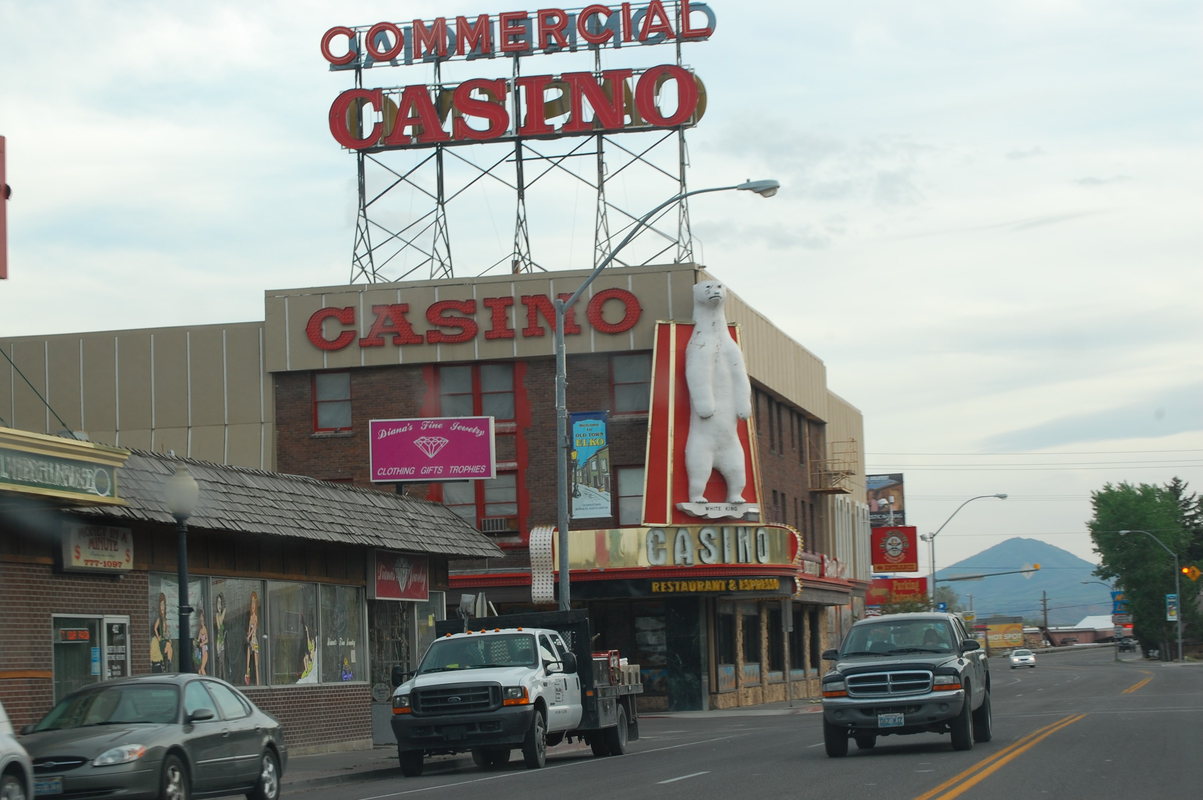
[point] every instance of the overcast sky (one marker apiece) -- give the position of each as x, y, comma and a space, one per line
988, 228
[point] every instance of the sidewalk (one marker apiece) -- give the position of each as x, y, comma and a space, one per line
325, 769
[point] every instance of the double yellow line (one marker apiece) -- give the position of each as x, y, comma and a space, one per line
961, 782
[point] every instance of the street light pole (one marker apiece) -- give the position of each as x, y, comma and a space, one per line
1177, 584
764, 188
930, 538
182, 494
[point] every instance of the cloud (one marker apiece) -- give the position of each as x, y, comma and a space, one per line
1173, 411
1103, 181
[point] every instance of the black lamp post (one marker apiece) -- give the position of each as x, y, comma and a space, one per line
182, 494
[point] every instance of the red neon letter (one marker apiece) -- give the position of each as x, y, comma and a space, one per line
607, 27
533, 122
651, 25
475, 38
416, 110
313, 328
390, 319
607, 103
540, 305
513, 27
339, 61
647, 90
630, 315
340, 117
492, 109
688, 32
432, 41
376, 33
466, 326
552, 22
499, 327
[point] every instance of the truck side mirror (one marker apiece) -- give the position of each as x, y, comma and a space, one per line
569, 662
831, 655
970, 644
399, 675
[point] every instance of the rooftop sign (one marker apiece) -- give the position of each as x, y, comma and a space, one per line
507, 109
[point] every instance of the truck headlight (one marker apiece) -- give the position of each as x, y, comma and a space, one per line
834, 689
514, 696
401, 704
946, 683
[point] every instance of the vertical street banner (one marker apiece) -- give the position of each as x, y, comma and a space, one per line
887, 503
1171, 608
589, 465
895, 549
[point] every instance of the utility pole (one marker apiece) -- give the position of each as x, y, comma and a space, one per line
1044, 607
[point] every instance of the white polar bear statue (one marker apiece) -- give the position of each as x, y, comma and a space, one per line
720, 395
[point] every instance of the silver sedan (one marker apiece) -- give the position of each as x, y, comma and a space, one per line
157, 736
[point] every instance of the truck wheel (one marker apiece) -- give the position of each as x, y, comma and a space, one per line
534, 746
983, 721
835, 740
599, 745
865, 740
616, 737
962, 726
411, 762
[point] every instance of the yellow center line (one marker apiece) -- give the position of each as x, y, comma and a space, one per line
1139, 685
988, 766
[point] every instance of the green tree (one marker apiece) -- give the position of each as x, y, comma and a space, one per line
1136, 564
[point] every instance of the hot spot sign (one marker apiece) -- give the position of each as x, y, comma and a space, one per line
431, 449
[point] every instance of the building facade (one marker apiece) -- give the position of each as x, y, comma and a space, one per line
297, 392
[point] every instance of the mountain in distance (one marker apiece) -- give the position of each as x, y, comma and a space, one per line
1059, 580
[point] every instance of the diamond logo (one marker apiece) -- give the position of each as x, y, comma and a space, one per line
431, 445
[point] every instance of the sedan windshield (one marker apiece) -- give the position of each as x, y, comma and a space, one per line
155, 704
505, 650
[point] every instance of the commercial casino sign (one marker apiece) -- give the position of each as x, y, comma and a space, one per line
490, 109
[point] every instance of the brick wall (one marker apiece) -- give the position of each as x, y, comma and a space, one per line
317, 719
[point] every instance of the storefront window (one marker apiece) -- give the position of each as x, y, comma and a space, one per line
239, 632
292, 620
164, 623
751, 642
426, 613
342, 634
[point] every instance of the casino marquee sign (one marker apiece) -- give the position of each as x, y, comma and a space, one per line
505, 109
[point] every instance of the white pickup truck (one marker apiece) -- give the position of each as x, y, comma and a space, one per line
521, 681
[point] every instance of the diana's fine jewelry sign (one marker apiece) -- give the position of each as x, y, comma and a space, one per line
432, 449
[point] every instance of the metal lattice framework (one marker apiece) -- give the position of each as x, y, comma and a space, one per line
412, 203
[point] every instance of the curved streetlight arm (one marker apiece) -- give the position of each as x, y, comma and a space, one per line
930, 538
1000, 496
1177, 582
764, 188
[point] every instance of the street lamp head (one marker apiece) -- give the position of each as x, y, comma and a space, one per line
764, 188
182, 494
1001, 495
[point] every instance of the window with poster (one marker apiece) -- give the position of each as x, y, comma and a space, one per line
88, 649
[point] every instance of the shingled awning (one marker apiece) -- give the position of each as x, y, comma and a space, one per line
268, 503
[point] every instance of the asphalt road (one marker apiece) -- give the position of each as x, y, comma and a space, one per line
1079, 725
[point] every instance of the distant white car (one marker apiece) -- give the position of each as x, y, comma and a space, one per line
16, 774
1023, 658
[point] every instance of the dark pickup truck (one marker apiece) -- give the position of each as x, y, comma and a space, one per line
906, 673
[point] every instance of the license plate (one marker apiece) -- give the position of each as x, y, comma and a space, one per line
453, 733
47, 786
892, 720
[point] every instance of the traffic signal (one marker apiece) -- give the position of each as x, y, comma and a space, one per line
1192, 572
